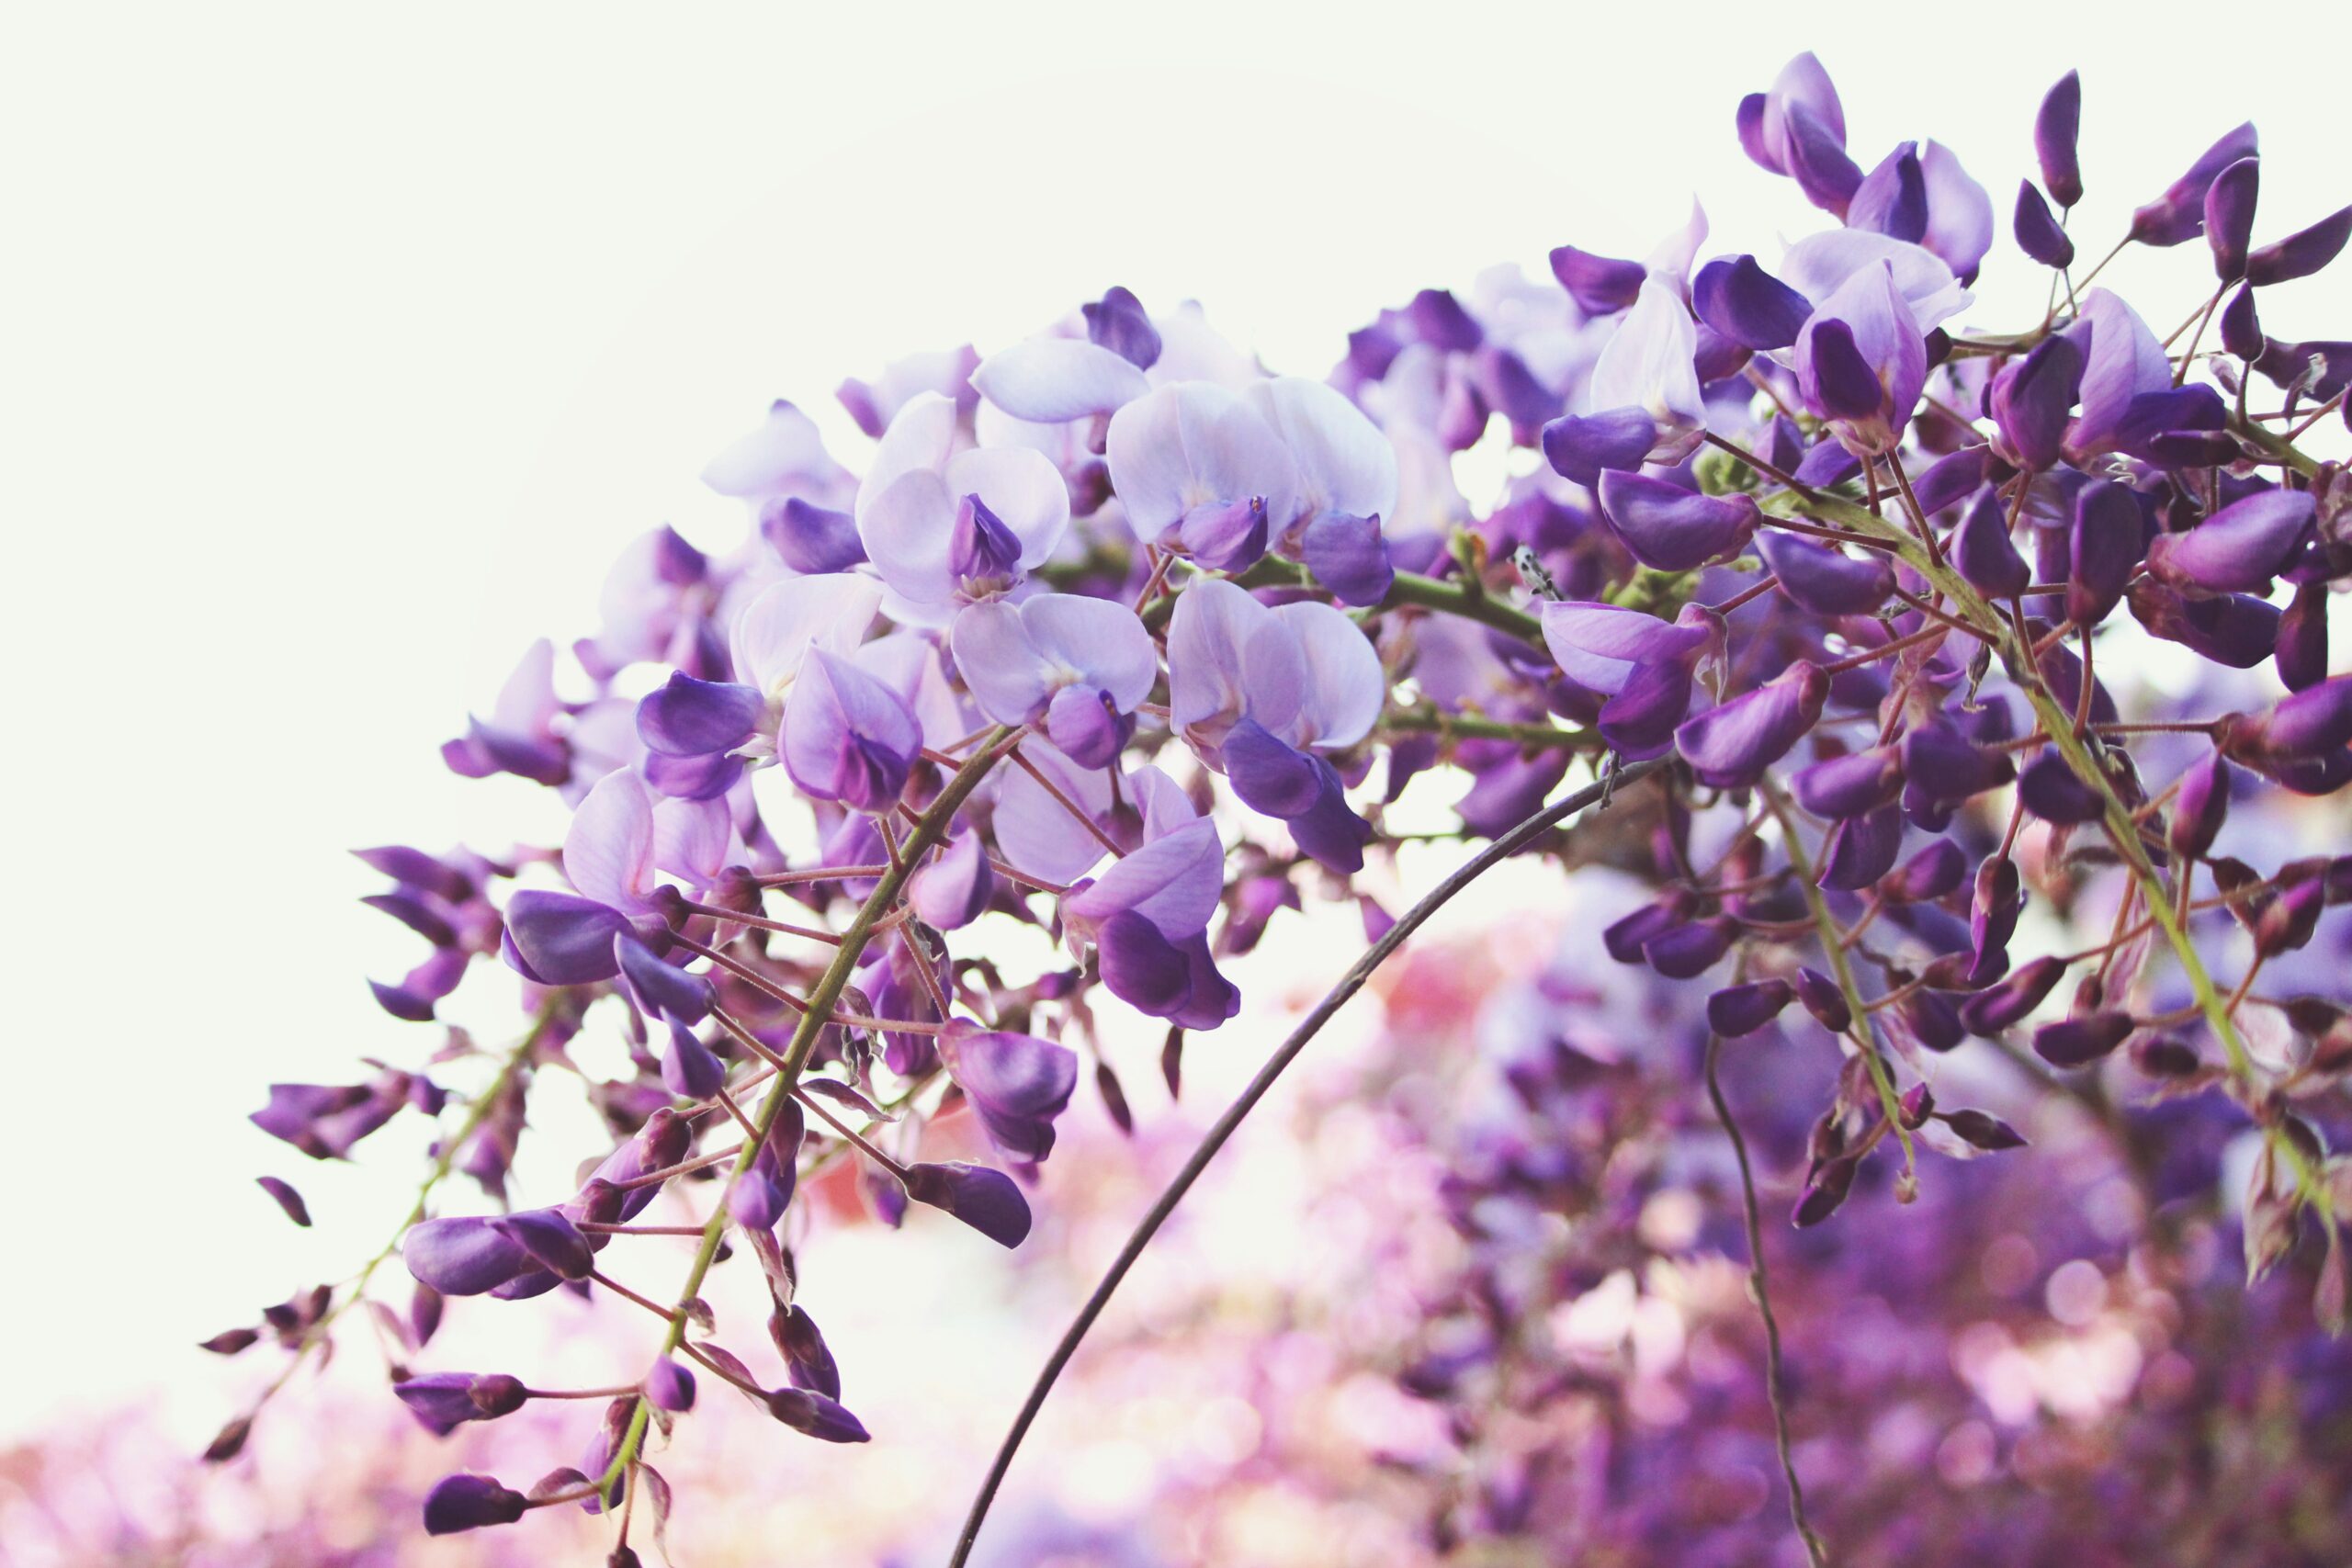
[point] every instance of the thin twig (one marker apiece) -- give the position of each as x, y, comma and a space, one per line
1350, 984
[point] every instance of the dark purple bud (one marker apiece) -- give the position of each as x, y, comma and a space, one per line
1932, 872
816, 1416
1674, 529
2033, 397
982, 552
848, 738
1748, 305
2305, 726
670, 1386
1950, 479
806, 1360
1826, 1190
1580, 447
2239, 548
1624, 936
463, 1257
658, 988
2051, 792
1892, 197
2235, 629
1349, 556
689, 1068
2163, 1056
1980, 1131
1843, 383
2038, 233
445, 1400
2007, 1000
811, 538
283, 1194
1818, 161
2301, 645
229, 1441
2229, 216
2078, 1041
1992, 917
2288, 921
1686, 951
1826, 464
1982, 549
1017, 1084
1225, 536
689, 718
470, 1502
1600, 286
1918, 1103
1861, 849
1851, 785
1947, 768
560, 938
2108, 541
1933, 1020
1823, 579
984, 1199
1821, 999
1729, 747
1119, 322
228, 1342
2241, 327
2303, 252
2200, 808
2056, 127
1440, 320
551, 1239
2178, 215
759, 1193
1744, 1009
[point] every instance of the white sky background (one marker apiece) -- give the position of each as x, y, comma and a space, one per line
340, 358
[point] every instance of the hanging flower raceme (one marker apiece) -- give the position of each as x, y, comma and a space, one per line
1948, 687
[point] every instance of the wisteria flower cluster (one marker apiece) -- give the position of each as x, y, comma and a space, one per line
1118, 636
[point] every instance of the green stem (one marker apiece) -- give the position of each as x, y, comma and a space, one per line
1462, 727
1451, 595
443, 1164
929, 829
1833, 943
2060, 725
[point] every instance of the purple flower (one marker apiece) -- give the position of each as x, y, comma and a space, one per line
444, 1401
1050, 380
520, 735
1650, 364
470, 1502
1798, 128
1862, 361
2178, 215
1984, 552
2033, 399
2301, 253
1748, 305
945, 524
1305, 671
983, 1199
2239, 548
1147, 915
848, 737
2228, 217
1017, 1084
2038, 232
1018, 661
465, 1256
670, 1386
1729, 747
2057, 126
1671, 528
759, 1193
1199, 470
1823, 579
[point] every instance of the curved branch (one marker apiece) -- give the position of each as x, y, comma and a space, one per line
1517, 839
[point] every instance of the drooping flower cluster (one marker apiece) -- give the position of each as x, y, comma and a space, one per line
1113, 631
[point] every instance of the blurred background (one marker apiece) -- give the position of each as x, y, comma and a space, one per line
343, 352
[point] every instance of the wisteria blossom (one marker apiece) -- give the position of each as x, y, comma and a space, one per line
1936, 727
